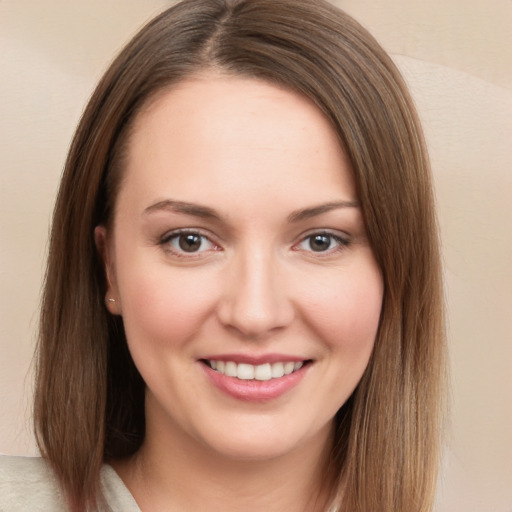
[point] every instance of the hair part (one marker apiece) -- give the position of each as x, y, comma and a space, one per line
89, 400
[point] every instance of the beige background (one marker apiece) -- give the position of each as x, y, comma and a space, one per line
457, 58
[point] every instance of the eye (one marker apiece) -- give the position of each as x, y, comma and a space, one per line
189, 242
323, 242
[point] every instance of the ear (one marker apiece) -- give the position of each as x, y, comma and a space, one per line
105, 251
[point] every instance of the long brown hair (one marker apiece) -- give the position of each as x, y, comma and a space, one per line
89, 403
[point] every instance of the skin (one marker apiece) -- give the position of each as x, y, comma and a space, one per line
257, 155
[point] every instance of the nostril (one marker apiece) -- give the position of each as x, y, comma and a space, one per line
254, 320
254, 301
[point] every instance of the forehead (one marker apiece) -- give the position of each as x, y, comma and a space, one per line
222, 136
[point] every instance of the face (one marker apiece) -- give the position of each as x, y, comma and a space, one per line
239, 263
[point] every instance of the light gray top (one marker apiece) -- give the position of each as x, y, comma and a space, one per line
28, 484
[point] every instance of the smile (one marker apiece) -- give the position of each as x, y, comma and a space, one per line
263, 372
252, 379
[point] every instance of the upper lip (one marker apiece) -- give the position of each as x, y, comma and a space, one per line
256, 359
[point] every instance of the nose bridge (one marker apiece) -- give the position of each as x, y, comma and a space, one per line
255, 300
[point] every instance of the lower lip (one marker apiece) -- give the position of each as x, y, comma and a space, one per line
255, 390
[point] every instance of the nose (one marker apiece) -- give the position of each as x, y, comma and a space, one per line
254, 302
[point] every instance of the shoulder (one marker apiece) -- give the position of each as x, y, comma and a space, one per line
28, 483
115, 493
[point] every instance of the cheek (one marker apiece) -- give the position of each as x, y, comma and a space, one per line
163, 305
345, 308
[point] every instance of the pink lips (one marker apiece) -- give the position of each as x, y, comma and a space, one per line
254, 390
255, 360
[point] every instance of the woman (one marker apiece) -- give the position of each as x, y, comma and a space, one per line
243, 307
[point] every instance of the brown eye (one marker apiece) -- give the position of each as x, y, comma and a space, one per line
320, 243
323, 242
187, 242
190, 242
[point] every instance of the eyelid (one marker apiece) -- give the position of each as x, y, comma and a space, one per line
175, 233
343, 239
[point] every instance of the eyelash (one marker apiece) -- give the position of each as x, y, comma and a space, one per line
340, 241
176, 235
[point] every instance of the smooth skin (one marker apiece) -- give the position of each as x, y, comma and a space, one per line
274, 259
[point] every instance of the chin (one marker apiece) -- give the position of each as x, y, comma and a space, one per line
264, 443
254, 451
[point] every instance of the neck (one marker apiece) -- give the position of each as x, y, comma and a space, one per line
175, 473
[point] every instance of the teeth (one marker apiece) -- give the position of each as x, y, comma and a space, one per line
246, 371
277, 370
230, 369
288, 368
263, 372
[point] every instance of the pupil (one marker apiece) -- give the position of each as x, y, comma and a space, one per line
320, 242
190, 243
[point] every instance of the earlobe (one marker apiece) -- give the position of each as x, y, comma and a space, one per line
112, 301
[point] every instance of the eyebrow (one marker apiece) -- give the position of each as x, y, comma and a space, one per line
205, 212
314, 211
193, 209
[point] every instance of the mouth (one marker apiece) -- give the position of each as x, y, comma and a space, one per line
260, 372
257, 379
